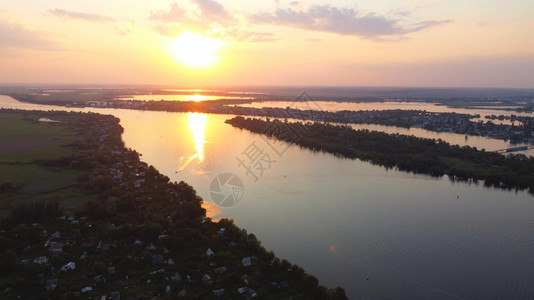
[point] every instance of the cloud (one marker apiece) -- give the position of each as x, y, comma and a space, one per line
125, 28
209, 11
175, 14
17, 36
207, 16
79, 15
345, 21
250, 36
212, 9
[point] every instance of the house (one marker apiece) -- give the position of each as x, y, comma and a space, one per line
157, 259
247, 261
70, 266
206, 279
56, 248
218, 293
209, 252
115, 296
151, 247
247, 292
41, 260
103, 246
250, 293
220, 270
176, 277
51, 284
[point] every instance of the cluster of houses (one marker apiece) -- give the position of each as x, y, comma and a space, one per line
117, 104
114, 254
438, 122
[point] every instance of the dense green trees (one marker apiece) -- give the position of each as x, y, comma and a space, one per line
135, 214
406, 153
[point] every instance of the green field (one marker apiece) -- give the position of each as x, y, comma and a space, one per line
23, 141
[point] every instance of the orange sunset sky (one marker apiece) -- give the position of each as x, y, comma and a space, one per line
473, 43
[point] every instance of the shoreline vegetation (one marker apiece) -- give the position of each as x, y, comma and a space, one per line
135, 236
507, 99
406, 153
520, 131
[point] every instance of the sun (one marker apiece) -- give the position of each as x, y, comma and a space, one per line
196, 51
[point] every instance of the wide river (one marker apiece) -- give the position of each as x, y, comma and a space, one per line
380, 234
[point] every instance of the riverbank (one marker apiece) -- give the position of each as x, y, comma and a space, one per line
406, 153
141, 236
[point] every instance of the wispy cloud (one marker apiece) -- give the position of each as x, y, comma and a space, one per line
175, 14
251, 36
212, 9
345, 21
124, 28
17, 36
208, 16
79, 15
209, 11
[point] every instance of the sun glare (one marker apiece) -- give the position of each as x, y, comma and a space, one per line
197, 125
195, 50
196, 98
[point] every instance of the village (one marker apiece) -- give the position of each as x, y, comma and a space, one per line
144, 237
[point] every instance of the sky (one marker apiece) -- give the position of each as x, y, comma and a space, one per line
212, 43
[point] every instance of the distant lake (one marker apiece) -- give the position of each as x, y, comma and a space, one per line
380, 234
195, 97
334, 106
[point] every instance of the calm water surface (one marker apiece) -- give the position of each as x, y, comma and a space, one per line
339, 106
198, 97
431, 107
378, 233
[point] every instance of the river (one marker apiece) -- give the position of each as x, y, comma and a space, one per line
378, 233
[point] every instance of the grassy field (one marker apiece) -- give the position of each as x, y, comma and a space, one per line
23, 140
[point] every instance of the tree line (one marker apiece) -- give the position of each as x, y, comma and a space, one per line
406, 153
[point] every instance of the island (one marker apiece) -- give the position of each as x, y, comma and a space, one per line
403, 152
